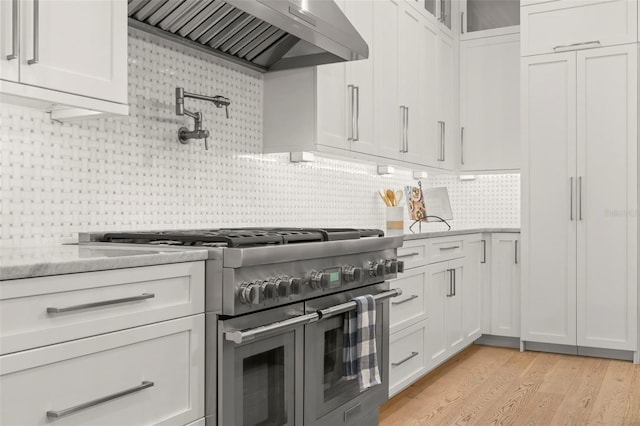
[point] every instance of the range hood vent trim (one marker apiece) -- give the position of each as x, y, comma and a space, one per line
263, 35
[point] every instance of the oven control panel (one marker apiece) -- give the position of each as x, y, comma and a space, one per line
265, 286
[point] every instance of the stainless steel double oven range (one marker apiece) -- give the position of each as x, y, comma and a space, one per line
276, 300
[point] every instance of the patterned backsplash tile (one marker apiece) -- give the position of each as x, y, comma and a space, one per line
131, 173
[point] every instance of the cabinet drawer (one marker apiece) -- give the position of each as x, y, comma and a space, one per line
407, 357
440, 249
95, 302
577, 24
411, 306
413, 254
162, 365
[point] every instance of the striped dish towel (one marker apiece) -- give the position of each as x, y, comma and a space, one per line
360, 357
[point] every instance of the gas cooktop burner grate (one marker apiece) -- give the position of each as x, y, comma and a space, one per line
240, 237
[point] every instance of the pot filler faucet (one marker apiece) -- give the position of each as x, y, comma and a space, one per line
184, 134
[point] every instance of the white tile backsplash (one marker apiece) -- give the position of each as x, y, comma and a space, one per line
131, 173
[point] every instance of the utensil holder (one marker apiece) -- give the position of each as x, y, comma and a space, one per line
395, 220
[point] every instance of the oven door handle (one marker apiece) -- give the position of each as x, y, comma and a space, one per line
350, 306
241, 336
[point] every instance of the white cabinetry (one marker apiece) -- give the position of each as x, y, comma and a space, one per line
398, 106
65, 56
580, 189
490, 103
577, 24
505, 285
109, 347
408, 342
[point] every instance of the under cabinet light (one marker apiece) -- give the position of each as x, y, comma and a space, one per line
467, 177
420, 174
386, 170
301, 157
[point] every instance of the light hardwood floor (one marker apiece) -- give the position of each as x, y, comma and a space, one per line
497, 386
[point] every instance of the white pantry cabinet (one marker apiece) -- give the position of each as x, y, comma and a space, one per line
577, 24
505, 285
490, 103
580, 192
69, 57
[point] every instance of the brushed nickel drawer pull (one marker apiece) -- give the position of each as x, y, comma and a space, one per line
408, 254
56, 414
577, 45
450, 248
14, 32
143, 296
36, 33
408, 299
402, 361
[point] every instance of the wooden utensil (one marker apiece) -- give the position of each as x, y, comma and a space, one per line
391, 196
385, 200
399, 195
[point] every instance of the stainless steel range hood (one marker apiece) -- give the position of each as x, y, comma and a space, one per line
265, 35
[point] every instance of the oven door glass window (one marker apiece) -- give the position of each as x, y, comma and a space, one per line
263, 388
330, 387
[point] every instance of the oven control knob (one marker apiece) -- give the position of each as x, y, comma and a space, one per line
319, 280
251, 293
269, 289
296, 285
283, 286
391, 266
400, 266
352, 273
376, 269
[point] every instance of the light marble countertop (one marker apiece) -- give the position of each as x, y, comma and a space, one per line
453, 232
31, 262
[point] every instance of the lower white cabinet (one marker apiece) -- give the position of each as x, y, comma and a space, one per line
408, 359
411, 307
445, 293
146, 375
474, 272
505, 285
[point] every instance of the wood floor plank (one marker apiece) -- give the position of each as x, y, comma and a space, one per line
487, 385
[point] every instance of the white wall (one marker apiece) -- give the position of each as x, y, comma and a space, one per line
131, 173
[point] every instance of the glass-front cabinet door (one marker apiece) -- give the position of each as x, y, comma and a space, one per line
483, 18
262, 381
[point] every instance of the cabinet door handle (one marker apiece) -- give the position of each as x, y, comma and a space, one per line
402, 128
406, 132
450, 293
408, 299
402, 361
583, 45
461, 22
454, 281
484, 251
580, 197
408, 255
441, 133
516, 252
571, 198
14, 31
444, 141
356, 116
351, 108
462, 146
143, 296
56, 414
36, 33
450, 248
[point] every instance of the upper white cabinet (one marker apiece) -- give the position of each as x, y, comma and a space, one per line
577, 24
397, 106
65, 54
481, 18
490, 103
580, 189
